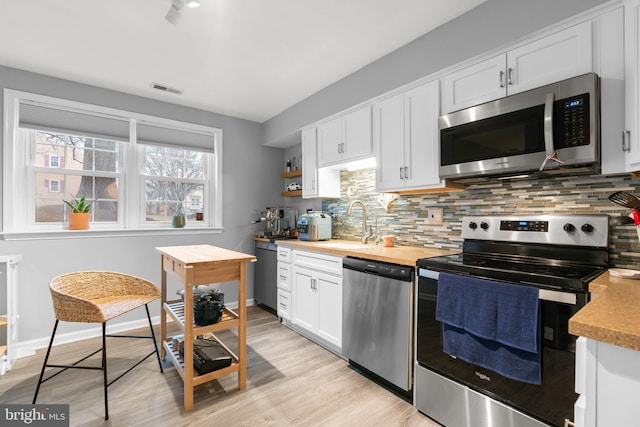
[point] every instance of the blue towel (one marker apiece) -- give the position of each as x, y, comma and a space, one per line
509, 362
492, 324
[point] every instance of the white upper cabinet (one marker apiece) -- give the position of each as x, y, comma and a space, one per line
316, 182
631, 141
345, 138
559, 56
473, 85
609, 64
556, 57
389, 142
406, 140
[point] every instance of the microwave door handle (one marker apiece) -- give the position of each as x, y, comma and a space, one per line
549, 148
548, 124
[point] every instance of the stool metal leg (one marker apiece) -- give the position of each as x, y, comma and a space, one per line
153, 337
44, 364
104, 369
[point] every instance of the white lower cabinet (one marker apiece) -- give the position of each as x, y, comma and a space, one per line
284, 304
284, 283
317, 295
608, 382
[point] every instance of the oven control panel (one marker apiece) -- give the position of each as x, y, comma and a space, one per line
525, 225
578, 229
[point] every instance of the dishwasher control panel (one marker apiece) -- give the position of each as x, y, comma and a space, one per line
394, 271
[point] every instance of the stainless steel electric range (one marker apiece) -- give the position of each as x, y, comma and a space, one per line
557, 255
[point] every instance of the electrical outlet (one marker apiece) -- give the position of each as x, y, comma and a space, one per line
434, 216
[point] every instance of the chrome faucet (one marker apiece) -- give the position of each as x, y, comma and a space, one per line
365, 234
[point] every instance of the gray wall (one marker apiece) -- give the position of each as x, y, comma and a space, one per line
250, 182
491, 25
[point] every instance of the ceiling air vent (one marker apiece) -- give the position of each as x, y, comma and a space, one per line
166, 88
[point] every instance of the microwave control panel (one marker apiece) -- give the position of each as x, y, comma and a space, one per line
571, 121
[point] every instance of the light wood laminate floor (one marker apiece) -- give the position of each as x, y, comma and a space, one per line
290, 381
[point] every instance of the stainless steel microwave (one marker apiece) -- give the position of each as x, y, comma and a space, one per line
549, 130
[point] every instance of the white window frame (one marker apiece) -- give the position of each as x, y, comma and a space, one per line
18, 197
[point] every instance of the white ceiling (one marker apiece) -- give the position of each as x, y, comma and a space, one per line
245, 58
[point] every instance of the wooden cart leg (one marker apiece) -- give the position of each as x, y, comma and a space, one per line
242, 329
188, 397
163, 315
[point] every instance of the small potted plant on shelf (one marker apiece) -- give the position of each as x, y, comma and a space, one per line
80, 213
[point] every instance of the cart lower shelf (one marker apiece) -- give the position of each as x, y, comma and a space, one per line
178, 362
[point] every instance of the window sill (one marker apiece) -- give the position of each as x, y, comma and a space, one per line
95, 233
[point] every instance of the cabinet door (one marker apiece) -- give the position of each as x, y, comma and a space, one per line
389, 141
284, 276
357, 132
304, 299
284, 304
317, 182
610, 66
330, 142
309, 165
329, 309
474, 85
561, 55
422, 149
632, 84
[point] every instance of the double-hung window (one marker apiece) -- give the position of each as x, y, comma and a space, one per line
138, 171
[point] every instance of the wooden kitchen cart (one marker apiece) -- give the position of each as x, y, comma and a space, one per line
202, 265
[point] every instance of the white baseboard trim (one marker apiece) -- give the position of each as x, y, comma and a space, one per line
28, 348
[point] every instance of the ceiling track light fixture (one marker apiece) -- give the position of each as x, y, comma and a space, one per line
175, 11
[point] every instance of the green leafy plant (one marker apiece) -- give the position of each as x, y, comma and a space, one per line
79, 205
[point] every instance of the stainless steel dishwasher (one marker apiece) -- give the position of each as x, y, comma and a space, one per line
377, 323
265, 281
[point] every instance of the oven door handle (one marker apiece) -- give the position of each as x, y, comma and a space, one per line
562, 297
544, 294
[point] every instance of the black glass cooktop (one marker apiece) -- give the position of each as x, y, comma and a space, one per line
543, 273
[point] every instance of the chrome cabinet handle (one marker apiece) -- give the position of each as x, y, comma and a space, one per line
401, 169
339, 148
510, 76
501, 78
283, 277
626, 141
406, 172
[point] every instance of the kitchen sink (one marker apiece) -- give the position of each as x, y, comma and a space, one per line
342, 245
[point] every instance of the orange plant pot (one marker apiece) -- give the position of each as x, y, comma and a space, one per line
78, 221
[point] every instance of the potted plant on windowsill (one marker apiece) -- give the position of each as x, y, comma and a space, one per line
80, 214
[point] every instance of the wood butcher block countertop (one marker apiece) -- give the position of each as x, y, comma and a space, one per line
613, 316
204, 254
404, 255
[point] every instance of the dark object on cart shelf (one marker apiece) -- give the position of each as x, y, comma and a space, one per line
210, 357
207, 310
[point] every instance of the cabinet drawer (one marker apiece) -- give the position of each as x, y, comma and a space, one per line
284, 304
321, 262
284, 276
284, 254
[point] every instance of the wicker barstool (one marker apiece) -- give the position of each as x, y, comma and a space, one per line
96, 297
